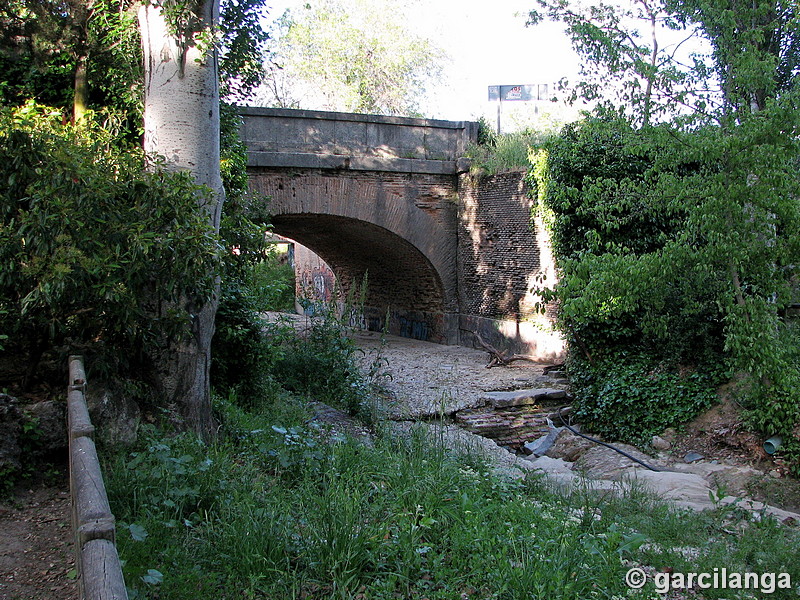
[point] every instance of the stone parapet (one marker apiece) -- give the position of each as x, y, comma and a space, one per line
326, 137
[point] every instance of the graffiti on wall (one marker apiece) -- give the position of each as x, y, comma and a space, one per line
424, 326
315, 286
418, 330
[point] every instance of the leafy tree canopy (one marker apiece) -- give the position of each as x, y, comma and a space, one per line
676, 226
659, 58
357, 56
45, 45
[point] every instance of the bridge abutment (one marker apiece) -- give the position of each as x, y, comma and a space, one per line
504, 255
445, 255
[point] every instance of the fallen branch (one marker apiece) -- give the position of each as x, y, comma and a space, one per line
498, 358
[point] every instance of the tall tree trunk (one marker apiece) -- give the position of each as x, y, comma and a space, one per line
181, 123
80, 98
81, 12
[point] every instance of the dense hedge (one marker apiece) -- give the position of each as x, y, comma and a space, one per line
644, 332
678, 252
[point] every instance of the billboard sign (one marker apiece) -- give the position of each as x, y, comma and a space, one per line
520, 93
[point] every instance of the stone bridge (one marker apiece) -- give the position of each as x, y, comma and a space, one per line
391, 198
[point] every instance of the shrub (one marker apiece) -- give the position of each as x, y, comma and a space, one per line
496, 153
638, 309
92, 244
323, 363
627, 274
631, 397
240, 353
252, 281
668, 242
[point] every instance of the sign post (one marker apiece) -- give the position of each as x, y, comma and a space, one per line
518, 93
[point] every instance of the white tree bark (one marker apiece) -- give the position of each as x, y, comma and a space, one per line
181, 106
181, 123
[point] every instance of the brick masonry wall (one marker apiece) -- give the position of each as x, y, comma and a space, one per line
503, 252
314, 279
500, 249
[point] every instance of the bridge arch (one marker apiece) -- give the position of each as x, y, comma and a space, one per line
395, 227
447, 253
401, 281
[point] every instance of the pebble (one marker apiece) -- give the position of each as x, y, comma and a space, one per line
693, 457
660, 443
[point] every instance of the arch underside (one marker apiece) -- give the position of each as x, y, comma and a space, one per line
400, 278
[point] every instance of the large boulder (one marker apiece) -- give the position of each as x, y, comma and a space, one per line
49, 421
569, 446
11, 419
601, 462
115, 416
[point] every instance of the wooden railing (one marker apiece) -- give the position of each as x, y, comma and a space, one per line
96, 557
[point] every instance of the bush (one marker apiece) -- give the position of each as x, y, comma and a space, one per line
668, 243
627, 273
630, 397
323, 364
92, 244
240, 354
252, 356
637, 302
246, 347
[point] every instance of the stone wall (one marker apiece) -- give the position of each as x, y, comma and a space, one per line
503, 253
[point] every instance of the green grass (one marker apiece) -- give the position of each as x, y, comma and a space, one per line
269, 512
505, 152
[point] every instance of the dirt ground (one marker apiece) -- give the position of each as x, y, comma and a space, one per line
720, 434
36, 549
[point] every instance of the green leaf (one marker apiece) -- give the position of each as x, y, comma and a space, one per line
138, 533
153, 577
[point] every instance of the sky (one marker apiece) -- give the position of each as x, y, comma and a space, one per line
488, 44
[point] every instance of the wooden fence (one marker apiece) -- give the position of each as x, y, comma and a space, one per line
96, 557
